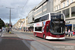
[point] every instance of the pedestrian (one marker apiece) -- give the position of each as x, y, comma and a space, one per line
0, 30
72, 33
69, 32
66, 32
24, 30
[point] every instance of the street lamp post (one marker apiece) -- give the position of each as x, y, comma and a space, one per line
10, 15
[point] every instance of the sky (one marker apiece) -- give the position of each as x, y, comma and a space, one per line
19, 9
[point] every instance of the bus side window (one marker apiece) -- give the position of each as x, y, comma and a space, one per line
47, 29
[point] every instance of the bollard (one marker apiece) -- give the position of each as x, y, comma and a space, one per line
10, 32
67, 35
70, 34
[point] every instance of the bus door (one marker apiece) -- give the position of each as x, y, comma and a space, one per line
47, 30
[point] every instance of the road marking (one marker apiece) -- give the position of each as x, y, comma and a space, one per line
57, 42
28, 44
64, 43
42, 43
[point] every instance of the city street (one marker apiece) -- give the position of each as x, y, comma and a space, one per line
27, 41
24, 22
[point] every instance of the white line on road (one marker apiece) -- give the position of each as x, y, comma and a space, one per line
28, 45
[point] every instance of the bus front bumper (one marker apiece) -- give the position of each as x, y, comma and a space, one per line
49, 37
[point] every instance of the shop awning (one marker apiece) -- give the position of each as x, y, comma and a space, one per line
68, 25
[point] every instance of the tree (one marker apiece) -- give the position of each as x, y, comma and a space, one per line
1, 23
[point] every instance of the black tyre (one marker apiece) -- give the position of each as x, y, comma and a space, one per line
35, 35
44, 36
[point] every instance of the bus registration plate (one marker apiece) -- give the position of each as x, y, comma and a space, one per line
57, 35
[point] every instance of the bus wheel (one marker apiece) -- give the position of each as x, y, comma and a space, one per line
44, 36
35, 35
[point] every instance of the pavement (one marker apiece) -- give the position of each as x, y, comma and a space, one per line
23, 31
11, 42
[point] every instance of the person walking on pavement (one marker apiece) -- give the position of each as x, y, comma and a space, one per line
66, 33
72, 32
0, 30
69, 32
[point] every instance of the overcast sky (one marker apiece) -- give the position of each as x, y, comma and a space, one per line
21, 8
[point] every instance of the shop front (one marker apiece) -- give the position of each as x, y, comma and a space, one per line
68, 26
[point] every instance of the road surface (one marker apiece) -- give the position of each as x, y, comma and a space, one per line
36, 43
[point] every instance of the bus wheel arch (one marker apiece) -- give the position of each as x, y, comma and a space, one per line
44, 36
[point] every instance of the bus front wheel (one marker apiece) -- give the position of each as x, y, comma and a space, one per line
44, 36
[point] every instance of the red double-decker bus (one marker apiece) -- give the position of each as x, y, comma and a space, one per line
50, 26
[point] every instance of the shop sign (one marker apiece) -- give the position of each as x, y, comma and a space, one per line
67, 22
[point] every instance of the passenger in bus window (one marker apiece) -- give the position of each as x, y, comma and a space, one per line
43, 24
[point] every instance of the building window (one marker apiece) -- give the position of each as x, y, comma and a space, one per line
66, 12
73, 11
67, 2
71, 1
55, 8
59, 12
63, 4
38, 12
58, 6
44, 8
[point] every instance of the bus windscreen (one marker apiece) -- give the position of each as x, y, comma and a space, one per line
57, 24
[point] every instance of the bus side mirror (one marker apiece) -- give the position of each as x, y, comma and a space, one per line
47, 29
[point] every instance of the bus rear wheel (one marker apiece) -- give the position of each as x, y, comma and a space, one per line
35, 35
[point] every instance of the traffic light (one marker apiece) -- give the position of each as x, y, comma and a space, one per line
8, 24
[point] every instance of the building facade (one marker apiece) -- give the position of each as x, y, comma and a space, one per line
68, 8
20, 24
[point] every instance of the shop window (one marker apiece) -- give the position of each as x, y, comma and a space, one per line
74, 27
66, 12
73, 11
